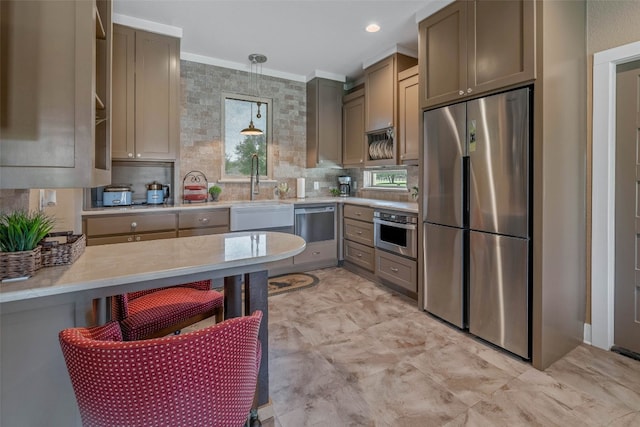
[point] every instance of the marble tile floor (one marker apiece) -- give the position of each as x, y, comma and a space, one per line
349, 352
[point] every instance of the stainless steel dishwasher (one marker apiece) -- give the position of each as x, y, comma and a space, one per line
315, 223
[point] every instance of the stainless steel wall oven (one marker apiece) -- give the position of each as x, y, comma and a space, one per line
396, 232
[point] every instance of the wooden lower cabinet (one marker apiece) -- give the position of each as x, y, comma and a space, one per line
358, 231
107, 229
358, 236
202, 223
360, 255
397, 270
136, 227
361, 213
317, 252
107, 240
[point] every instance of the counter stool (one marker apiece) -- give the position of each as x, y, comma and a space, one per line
203, 378
157, 312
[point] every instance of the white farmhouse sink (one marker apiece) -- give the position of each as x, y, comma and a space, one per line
260, 216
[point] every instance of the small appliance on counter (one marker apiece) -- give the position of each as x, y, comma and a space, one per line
117, 195
195, 187
344, 185
157, 193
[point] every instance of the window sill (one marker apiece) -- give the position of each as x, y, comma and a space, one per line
245, 181
402, 190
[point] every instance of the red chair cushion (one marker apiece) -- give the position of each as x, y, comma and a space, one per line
157, 310
203, 378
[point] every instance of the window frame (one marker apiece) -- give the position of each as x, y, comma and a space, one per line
268, 141
368, 178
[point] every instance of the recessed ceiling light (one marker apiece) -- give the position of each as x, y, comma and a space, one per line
372, 28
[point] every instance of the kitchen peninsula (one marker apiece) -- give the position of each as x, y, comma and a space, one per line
36, 390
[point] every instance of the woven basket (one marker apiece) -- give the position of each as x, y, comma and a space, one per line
56, 253
19, 264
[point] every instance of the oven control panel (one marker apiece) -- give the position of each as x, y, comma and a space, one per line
400, 218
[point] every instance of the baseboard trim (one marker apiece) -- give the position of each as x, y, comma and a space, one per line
266, 411
587, 334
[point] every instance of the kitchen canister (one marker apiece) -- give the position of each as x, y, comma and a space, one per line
300, 188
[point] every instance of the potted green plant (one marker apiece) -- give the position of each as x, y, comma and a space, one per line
334, 192
215, 191
20, 233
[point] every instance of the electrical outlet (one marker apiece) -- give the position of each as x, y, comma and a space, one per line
316, 185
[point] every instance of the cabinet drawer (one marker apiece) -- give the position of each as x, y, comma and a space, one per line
94, 241
398, 270
129, 224
359, 254
317, 251
203, 231
358, 231
361, 213
213, 218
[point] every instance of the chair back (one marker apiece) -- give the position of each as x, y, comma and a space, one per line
120, 303
205, 378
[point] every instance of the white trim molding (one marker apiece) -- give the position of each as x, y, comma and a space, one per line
603, 190
143, 24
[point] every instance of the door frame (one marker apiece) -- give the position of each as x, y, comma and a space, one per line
603, 190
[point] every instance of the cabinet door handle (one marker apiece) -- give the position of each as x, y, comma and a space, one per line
361, 160
130, 155
138, 155
137, 238
359, 255
129, 239
359, 233
395, 270
461, 93
315, 253
203, 220
358, 213
469, 90
134, 224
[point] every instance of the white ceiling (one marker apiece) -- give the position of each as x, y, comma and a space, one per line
302, 39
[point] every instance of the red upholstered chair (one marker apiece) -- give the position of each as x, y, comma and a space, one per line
157, 312
202, 378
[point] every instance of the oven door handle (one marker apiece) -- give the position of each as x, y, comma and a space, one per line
395, 224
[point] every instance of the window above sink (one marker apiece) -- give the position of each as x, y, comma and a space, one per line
238, 111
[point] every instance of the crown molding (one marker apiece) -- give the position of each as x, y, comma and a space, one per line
395, 49
143, 24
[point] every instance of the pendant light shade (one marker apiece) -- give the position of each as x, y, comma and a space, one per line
251, 130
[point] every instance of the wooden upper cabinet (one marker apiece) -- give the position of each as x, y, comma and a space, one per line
501, 43
408, 134
474, 47
381, 86
353, 137
146, 86
442, 55
55, 84
379, 96
123, 98
324, 122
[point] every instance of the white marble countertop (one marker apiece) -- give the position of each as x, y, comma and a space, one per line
126, 263
411, 207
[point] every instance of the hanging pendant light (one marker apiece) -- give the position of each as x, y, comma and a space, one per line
255, 60
251, 130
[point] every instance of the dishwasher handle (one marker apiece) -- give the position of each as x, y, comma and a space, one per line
305, 211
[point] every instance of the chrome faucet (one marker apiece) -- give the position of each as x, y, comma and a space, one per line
255, 184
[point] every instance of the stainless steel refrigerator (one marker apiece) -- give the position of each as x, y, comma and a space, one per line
477, 217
